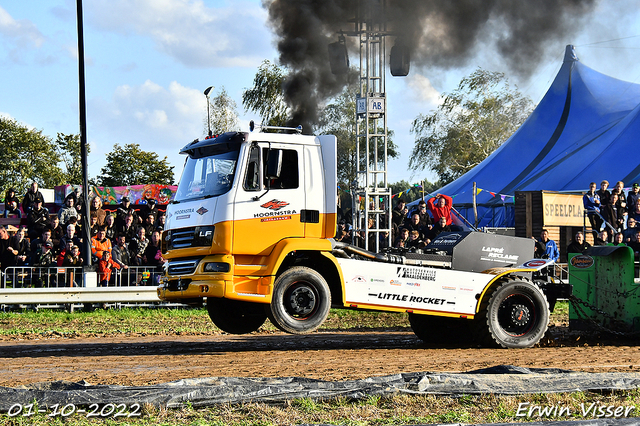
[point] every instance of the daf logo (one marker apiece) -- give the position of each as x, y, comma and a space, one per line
205, 234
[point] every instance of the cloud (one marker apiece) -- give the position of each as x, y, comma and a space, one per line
19, 36
23, 32
165, 118
152, 112
422, 90
187, 30
159, 119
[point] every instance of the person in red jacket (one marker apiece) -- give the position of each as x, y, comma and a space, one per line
104, 268
440, 206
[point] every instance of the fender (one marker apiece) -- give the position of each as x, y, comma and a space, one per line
527, 267
338, 270
288, 245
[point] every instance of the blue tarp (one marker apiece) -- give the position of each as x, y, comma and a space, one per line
584, 130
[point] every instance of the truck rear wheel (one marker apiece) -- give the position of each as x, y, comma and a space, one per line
517, 315
236, 316
300, 302
438, 329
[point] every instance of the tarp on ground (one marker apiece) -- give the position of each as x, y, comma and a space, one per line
498, 380
585, 129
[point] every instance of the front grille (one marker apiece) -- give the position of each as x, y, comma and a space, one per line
183, 267
181, 238
198, 236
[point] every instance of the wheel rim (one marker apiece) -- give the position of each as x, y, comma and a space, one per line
517, 315
301, 300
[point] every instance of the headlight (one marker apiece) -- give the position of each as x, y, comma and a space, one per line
217, 267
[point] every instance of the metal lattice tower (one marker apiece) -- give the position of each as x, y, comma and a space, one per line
371, 195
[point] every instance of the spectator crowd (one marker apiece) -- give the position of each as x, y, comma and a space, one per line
613, 216
130, 237
409, 230
126, 237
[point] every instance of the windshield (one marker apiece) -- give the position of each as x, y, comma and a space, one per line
210, 175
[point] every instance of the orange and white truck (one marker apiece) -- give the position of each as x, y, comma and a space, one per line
251, 229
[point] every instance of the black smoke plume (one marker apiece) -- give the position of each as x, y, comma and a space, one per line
439, 33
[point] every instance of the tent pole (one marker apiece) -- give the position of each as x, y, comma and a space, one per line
475, 207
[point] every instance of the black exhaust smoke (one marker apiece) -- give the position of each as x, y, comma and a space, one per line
438, 33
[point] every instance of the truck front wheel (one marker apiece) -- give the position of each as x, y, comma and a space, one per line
300, 302
235, 316
517, 315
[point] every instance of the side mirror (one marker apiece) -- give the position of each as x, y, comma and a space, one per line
274, 164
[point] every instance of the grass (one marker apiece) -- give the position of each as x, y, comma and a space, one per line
370, 411
29, 324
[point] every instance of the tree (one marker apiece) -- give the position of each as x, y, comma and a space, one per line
27, 155
266, 98
472, 122
223, 114
68, 149
129, 165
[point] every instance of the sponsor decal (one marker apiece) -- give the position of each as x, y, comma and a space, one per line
416, 273
271, 219
497, 254
395, 282
377, 280
447, 287
449, 239
274, 204
184, 211
466, 289
408, 298
534, 263
184, 216
413, 284
358, 279
201, 211
582, 261
275, 214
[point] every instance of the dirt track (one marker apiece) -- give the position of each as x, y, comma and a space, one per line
323, 355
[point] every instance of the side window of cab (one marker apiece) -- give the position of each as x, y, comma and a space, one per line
252, 177
289, 171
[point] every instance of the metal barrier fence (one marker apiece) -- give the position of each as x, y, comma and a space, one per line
59, 277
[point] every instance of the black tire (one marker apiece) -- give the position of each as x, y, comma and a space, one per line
235, 316
437, 329
301, 301
517, 315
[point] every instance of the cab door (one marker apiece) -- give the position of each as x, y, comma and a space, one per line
267, 207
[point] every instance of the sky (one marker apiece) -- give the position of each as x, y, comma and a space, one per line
147, 63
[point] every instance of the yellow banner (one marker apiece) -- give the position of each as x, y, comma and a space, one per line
562, 209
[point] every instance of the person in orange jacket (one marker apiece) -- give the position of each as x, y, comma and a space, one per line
100, 243
104, 268
440, 206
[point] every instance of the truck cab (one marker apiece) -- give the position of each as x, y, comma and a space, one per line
241, 200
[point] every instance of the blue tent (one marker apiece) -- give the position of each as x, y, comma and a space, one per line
585, 129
